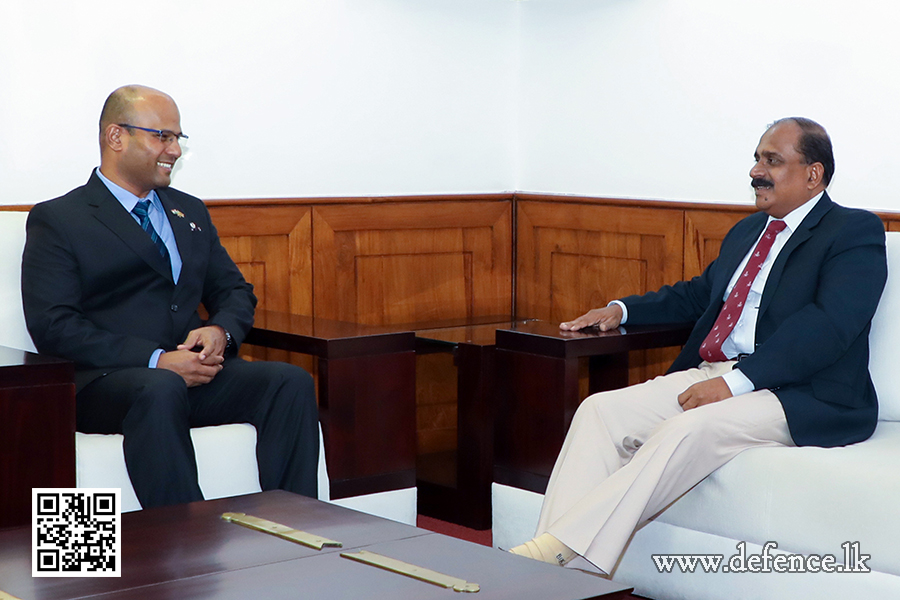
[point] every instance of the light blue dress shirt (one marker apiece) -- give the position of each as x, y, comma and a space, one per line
160, 223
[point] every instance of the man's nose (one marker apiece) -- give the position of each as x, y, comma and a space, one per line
757, 171
174, 148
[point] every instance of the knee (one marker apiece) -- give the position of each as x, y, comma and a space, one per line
160, 392
603, 406
294, 384
295, 378
691, 427
164, 381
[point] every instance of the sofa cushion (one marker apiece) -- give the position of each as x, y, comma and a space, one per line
805, 499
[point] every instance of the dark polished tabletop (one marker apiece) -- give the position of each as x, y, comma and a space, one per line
541, 337
190, 552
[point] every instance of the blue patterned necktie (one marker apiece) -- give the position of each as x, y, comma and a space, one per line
141, 210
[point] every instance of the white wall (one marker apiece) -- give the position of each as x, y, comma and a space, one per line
667, 98
279, 98
627, 98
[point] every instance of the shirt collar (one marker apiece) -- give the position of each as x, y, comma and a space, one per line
126, 198
796, 216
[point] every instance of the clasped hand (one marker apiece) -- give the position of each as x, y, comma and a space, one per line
199, 358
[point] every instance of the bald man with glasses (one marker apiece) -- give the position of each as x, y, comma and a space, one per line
113, 275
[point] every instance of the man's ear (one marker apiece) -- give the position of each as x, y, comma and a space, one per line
815, 172
113, 137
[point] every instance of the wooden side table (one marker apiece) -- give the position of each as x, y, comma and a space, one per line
537, 391
37, 430
456, 486
367, 402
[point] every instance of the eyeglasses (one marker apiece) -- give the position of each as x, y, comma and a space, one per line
164, 135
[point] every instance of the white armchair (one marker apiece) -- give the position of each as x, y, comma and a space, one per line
226, 454
808, 500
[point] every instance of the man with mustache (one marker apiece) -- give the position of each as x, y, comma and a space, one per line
113, 274
778, 356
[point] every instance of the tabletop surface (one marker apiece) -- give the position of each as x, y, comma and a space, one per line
541, 337
188, 551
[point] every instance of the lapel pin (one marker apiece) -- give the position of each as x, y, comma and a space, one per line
195, 227
178, 213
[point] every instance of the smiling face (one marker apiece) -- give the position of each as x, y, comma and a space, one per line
781, 177
138, 160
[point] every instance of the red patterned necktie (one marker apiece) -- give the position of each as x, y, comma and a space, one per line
711, 350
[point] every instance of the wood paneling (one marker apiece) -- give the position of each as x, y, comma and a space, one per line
387, 261
391, 264
574, 257
272, 246
704, 231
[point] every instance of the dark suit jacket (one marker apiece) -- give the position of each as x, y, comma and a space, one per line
97, 292
812, 331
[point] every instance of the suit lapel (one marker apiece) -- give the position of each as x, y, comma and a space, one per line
108, 211
180, 225
803, 233
732, 260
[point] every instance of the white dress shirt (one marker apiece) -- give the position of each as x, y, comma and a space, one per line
742, 339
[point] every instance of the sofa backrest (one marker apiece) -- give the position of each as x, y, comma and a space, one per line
13, 333
884, 339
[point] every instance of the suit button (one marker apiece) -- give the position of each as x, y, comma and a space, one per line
174, 308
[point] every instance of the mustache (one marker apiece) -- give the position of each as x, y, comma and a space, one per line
758, 182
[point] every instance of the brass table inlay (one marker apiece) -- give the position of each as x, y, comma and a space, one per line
283, 531
416, 572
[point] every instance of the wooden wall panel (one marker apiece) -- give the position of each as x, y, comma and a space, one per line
704, 231
407, 262
574, 257
272, 246
385, 264
401, 260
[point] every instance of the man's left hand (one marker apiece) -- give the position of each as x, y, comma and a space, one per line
211, 340
704, 392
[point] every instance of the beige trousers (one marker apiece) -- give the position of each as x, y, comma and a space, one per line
631, 452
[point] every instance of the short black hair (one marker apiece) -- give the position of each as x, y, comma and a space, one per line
814, 145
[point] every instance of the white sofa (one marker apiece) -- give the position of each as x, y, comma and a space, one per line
807, 500
226, 454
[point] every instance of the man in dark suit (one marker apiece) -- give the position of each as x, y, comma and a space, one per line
778, 356
113, 275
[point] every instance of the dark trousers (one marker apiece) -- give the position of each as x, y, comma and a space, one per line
155, 410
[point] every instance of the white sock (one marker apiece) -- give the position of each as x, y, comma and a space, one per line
546, 548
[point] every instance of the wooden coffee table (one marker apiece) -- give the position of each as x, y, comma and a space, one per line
189, 552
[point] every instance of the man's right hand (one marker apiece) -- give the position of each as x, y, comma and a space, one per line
605, 318
188, 364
